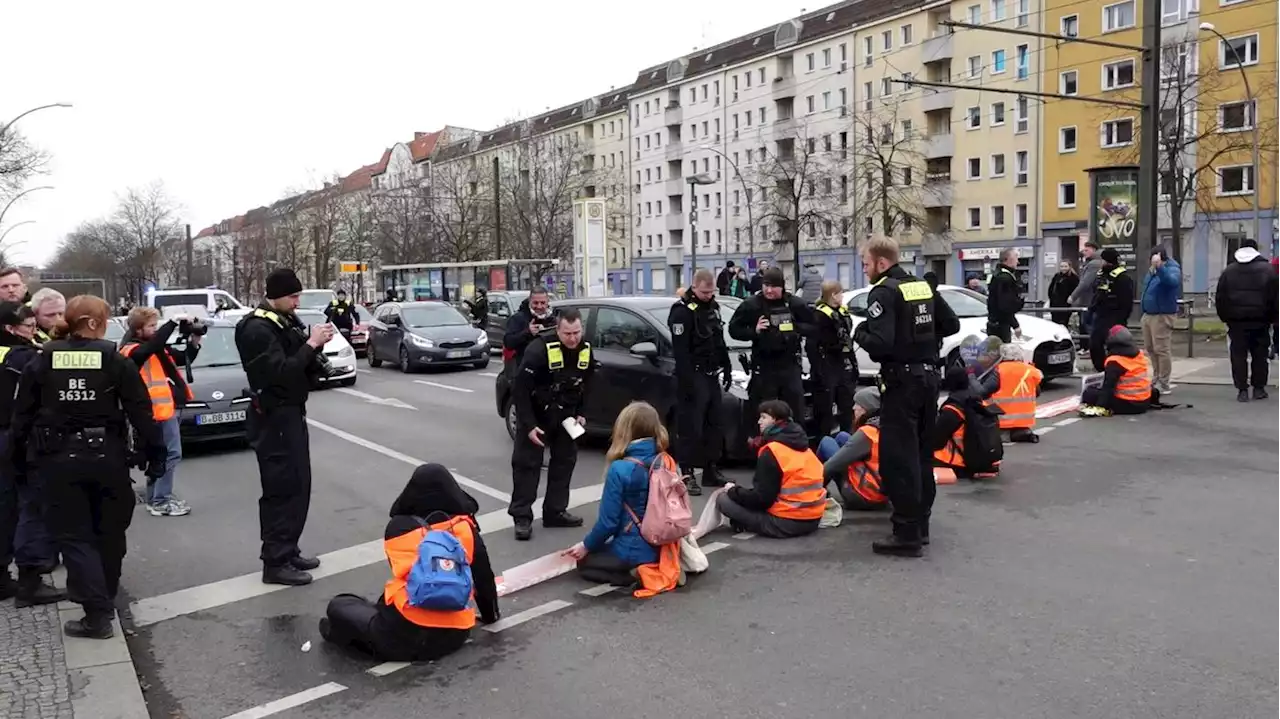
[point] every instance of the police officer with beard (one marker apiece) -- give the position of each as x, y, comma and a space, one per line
832, 361
342, 314
904, 320
281, 361
70, 428
702, 366
775, 323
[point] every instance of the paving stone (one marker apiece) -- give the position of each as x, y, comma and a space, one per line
33, 680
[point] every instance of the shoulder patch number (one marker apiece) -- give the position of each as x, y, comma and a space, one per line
875, 310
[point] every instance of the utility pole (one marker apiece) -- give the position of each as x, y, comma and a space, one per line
497, 226
1149, 150
190, 259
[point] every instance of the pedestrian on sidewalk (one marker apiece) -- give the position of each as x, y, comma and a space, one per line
1082, 296
725, 277
1060, 288
1246, 302
1161, 289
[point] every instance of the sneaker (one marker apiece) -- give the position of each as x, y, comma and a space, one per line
1260, 393
691, 482
1165, 388
171, 508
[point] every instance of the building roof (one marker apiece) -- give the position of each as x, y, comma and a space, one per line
361, 179
423, 144
209, 231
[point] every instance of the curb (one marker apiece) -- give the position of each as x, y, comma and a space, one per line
104, 683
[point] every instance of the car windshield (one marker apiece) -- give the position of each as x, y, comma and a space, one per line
727, 307
315, 299
432, 316
217, 349
965, 303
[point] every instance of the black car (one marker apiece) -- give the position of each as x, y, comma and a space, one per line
502, 304
630, 339
424, 334
220, 387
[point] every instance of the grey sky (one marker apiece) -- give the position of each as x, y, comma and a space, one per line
233, 103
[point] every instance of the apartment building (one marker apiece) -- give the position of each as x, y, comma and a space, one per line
1207, 122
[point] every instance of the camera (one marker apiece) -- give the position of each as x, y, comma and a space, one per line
320, 365
188, 328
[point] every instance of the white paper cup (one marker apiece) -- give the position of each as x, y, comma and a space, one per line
574, 429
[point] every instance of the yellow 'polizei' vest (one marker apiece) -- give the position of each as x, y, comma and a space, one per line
269, 315
826, 310
555, 356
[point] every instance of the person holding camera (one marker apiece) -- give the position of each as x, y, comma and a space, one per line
533, 319
282, 364
146, 342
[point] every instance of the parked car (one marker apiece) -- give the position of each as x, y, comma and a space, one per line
360, 331
1047, 344
630, 339
424, 334
315, 299
340, 353
220, 387
502, 305
214, 301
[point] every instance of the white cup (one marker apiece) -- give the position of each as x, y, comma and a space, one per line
574, 429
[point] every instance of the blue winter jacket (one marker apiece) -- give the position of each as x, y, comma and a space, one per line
626, 482
1161, 289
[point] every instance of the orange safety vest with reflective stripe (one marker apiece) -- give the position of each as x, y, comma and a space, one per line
1019, 383
1135, 383
158, 386
952, 455
865, 475
802, 495
402, 553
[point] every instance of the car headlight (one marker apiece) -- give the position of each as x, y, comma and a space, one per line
346, 353
484, 339
422, 341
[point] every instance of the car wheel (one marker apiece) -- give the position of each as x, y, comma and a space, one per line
511, 419
482, 363
406, 365
374, 362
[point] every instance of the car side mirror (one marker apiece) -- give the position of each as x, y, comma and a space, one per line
645, 349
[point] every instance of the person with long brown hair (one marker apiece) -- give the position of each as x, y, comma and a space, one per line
70, 434
614, 547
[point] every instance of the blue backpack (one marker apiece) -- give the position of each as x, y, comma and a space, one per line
441, 578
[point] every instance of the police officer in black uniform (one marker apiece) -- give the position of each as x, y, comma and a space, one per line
342, 314
70, 429
702, 366
280, 359
904, 320
775, 323
1004, 297
832, 361
548, 389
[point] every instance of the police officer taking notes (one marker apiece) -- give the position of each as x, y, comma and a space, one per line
702, 366
774, 322
904, 320
69, 429
281, 361
548, 391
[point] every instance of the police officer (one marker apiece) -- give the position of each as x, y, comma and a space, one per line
49, 306
70, 429
702, 366
904, 320
24, 537
548, 389
280, 360
832, 361
1004, 298
342, 314
1112, 304
775, 323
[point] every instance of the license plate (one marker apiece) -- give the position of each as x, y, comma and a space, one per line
220, 417
1060, 357
454, 354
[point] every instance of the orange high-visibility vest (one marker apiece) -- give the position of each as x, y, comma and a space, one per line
1019, 383
865, 475
402, 553
802, 495
158, 386
952, 455
1135, 383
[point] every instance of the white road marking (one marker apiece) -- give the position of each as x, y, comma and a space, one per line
714, 547
388, 452
386, 401
246, 586
744, 535
443, 386
1044, 430
487, 374
598, 590
516, 620
1065, 422
289, 702
386, 668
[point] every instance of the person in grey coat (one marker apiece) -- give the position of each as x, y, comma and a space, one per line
810, 289
1083, 294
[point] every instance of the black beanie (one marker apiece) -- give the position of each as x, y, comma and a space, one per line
1110, 256
282, 283
773, 277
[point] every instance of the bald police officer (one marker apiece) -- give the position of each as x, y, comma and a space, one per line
702, 367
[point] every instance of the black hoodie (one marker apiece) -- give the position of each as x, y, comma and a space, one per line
767, 481
518, 336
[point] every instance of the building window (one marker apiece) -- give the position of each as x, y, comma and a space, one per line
1024, 10
974, 168
1066, 194
886, 41
809, 104
1235, 116
1070, 25
886, 87
1117, 133
1175, 11
906, 177
1024, 61
1235, 180
997, 62
1119, 16
1178, 62
826, 100
867, 98
997, 165
747, 76
867, 49
1020, 167
1117, 75
1067, 139
975, 65
997, 114
810, 63
1238, 51
997, 216
1019, 221
1020, 116
975, 14
906, 34
974, 118
760, 72
997, 10
1069, 82
975, 218
826, 57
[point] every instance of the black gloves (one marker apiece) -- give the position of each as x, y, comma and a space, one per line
156, 461
727, 378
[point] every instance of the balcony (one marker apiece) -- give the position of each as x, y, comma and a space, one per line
938, 192
784, 85
674, 222
939, 47
673, 115
673, 151
935, 243
940, 100
784, 127
939, 146
675, 187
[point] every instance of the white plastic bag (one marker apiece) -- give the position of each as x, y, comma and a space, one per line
711, 518
692, 559
832, 514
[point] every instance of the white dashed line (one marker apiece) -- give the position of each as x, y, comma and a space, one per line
744, 535
363, 370
1065, 422
1044, 430
714, 547
289, 702
386, 668
598, 590
516, 620
487, 374
443, 386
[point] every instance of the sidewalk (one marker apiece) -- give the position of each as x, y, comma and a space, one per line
46, 675
1210, 370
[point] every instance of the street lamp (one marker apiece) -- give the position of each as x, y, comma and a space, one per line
751, 225
1253, 118
4, 128
699, 179
17, 196
11, 229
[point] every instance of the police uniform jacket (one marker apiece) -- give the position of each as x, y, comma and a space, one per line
342, 314
551, 383
697, 336
1004, 297
1113, 298
15, 353
905, 318
790, 320
277, 360
832, 340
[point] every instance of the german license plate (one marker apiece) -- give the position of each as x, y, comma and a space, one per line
1060, 357
454, 354
220, 417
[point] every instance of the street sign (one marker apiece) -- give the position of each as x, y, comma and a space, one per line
353, 267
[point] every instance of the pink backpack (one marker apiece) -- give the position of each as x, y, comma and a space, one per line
667, 515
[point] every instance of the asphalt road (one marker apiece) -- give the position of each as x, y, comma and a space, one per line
1120, 568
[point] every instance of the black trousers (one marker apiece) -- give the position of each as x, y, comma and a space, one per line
280, 440
526, 470
1000, 329
1248, 347
359, 624
8, 508
699, 420
763, 523
1098, 343
1093, 396
835, 385
778, 382
908, 412
605, 568
88, 503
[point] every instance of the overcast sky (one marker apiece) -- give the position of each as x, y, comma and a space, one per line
233, 103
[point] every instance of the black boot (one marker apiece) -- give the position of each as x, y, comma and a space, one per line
524, 530
924, 533
691, 481
561, 519
1260, 393
32, 590
306, 564
90, 627
1242, 395
286, 575
8, 587
898, 546
712, 477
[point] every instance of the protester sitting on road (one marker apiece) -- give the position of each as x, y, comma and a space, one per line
614, 548
852, 461
966, 436
1018, 387
786, 497
393, 629
1126, 381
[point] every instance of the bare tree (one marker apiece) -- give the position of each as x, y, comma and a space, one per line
461, 211
323, 213
19, 161
536, 190
146, 219
887, 170
97, 249
403, 221
287, 235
